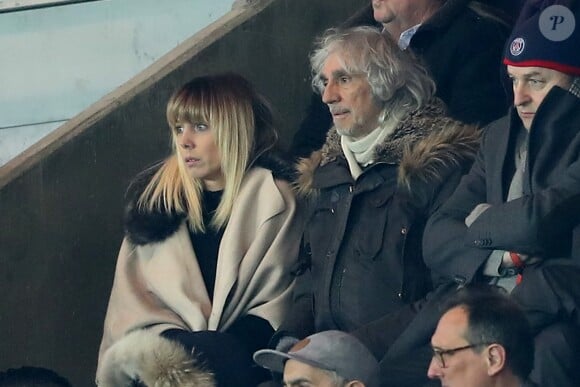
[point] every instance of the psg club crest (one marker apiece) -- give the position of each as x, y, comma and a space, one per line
517, 46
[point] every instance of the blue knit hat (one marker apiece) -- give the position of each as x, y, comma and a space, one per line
549, 39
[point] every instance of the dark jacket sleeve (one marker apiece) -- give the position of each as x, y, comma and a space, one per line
539, 224
444, 250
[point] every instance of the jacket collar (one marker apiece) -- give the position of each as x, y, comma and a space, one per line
423, 142
559, 107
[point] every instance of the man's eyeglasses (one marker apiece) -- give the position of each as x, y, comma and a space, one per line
439, 354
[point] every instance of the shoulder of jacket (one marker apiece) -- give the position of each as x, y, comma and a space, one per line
449, 148
281, 168
468, 27
500, 125
305, 168
143, 226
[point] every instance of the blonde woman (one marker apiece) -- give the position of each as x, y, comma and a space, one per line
203, 276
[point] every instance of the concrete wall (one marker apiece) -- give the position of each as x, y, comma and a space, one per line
57, 61
61, 200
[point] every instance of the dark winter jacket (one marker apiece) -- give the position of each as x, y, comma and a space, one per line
462, 51
363, 238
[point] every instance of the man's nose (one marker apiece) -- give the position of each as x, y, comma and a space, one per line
521, 95
434, 370
331, 93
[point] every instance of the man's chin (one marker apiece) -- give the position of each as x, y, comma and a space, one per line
526, 123
344, 131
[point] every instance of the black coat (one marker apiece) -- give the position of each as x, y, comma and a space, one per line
461, 49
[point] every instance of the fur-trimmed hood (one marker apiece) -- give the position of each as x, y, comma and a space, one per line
143, 358
142, 227
424, 144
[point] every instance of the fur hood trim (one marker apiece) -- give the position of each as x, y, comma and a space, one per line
142, 228
424, 144
145, 357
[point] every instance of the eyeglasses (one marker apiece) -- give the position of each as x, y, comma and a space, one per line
439, 354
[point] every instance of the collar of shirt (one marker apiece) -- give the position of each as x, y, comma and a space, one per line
405, 38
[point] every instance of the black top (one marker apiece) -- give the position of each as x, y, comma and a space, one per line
228, 354
206, 244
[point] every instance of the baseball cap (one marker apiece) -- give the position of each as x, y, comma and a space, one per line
328, 350
548, 39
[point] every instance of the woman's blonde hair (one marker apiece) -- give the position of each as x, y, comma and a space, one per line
242, 125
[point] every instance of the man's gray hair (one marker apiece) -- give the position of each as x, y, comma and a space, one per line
398, 81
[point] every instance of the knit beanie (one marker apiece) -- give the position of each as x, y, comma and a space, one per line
549, 39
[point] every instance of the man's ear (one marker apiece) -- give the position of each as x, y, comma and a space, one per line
495, 359
355, 383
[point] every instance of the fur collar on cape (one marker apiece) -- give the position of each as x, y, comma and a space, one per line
423, 144
143, 358
142, 227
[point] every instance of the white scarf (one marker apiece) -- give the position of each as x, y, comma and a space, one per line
360, 153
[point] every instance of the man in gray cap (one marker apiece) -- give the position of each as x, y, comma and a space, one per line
329, 359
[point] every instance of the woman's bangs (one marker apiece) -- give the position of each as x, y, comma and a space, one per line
189, 106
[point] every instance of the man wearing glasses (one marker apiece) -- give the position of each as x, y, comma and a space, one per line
483, 339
